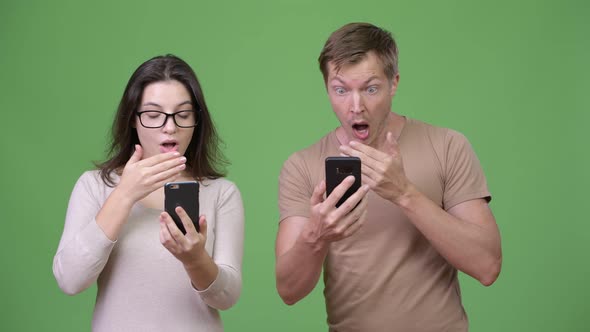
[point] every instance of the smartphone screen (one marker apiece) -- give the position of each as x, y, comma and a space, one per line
337, 169
186, 195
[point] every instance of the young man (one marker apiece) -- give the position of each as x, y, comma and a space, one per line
390, 263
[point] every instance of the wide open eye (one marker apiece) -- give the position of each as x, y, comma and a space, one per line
339, 90
372, 90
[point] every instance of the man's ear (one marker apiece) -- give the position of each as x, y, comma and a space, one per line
394, 83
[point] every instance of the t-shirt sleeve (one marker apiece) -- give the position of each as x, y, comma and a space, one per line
295, 188
464, 178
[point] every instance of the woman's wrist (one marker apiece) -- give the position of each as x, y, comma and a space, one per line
198, 262
122, 197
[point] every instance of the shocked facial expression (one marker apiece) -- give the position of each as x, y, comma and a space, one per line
169, 97
361, 95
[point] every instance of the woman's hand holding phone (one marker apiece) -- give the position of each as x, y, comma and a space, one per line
188, 247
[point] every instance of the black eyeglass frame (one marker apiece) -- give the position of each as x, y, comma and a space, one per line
173, 115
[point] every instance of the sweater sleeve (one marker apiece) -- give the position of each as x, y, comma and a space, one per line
225, 290
83, 249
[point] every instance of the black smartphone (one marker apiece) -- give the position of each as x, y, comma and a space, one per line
337, 169
186, 195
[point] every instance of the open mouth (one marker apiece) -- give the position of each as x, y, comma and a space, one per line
168, 147
360, 131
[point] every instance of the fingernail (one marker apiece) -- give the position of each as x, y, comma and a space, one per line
182, 159
176, 153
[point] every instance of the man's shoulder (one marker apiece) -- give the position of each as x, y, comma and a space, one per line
425, 128
434, 133
313, 152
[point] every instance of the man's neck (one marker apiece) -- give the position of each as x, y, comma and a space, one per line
395, 124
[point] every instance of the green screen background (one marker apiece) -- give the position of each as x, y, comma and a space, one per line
511, 75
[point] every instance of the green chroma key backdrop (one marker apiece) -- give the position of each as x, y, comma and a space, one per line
511, 75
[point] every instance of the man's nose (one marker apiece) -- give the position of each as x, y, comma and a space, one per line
357, 103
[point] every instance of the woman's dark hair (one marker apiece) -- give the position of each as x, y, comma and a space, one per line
203, 157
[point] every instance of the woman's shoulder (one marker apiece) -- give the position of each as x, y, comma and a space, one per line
93, 182
218, 183
218, 187
96, 178
90, 177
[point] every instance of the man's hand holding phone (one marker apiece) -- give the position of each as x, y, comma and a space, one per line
329, 223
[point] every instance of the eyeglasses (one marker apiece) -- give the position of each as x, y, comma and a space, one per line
157, 119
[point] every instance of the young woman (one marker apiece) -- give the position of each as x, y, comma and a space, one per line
151, 276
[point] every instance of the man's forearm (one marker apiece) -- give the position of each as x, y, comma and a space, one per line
471, 243
298, 270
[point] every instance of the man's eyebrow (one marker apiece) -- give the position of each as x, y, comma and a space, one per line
371, 78
366, 81
338, 79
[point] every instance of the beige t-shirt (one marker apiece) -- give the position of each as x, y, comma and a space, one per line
387, 276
